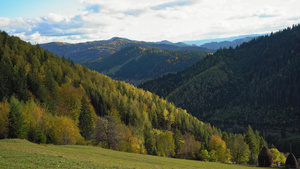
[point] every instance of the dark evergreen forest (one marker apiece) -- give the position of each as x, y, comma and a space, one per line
257, 83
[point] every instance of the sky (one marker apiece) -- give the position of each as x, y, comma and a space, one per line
73, 21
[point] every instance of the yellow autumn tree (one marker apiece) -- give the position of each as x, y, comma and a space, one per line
129, 143
70, 103
65, 131
34, 117
218, 146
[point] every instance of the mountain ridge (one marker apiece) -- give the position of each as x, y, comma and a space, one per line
136, 64
89, 51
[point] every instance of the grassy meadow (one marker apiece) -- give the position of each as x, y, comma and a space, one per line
16, 153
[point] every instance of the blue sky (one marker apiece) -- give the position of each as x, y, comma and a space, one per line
41, 21
37, 8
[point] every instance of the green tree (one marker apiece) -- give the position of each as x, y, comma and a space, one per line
251, 140
36, 86
165, 145
6, 74
53, 95
178, 141
86, 121
204, 155
149, 144
239, 149
20, 84
17, 126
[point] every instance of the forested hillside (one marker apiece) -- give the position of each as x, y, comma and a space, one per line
48, 99
89, 51
136, 64
258, 83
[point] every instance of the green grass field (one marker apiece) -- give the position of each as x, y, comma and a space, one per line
16, 153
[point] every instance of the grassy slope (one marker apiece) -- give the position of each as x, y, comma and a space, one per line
16, 153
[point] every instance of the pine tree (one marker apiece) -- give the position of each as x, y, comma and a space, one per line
85, 119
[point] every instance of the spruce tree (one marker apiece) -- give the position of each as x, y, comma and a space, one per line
85, 119
251, 140
17, 127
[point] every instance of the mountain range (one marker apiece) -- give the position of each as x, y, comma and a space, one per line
228, 39
136, 64
89, 51
152, 59
226, 44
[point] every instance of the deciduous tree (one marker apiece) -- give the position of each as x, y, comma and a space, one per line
190, 148
165, 145
64, 131
239, 149
4, 121
219, 146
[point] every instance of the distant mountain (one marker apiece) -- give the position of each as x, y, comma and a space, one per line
230, 39
226, 44
136, 64
257, 83
179, 44
89, 51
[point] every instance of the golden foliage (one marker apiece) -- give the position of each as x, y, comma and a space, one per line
65, 131
4, 113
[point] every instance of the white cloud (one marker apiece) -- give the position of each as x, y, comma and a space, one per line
155, 20
4, 22
53, 17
